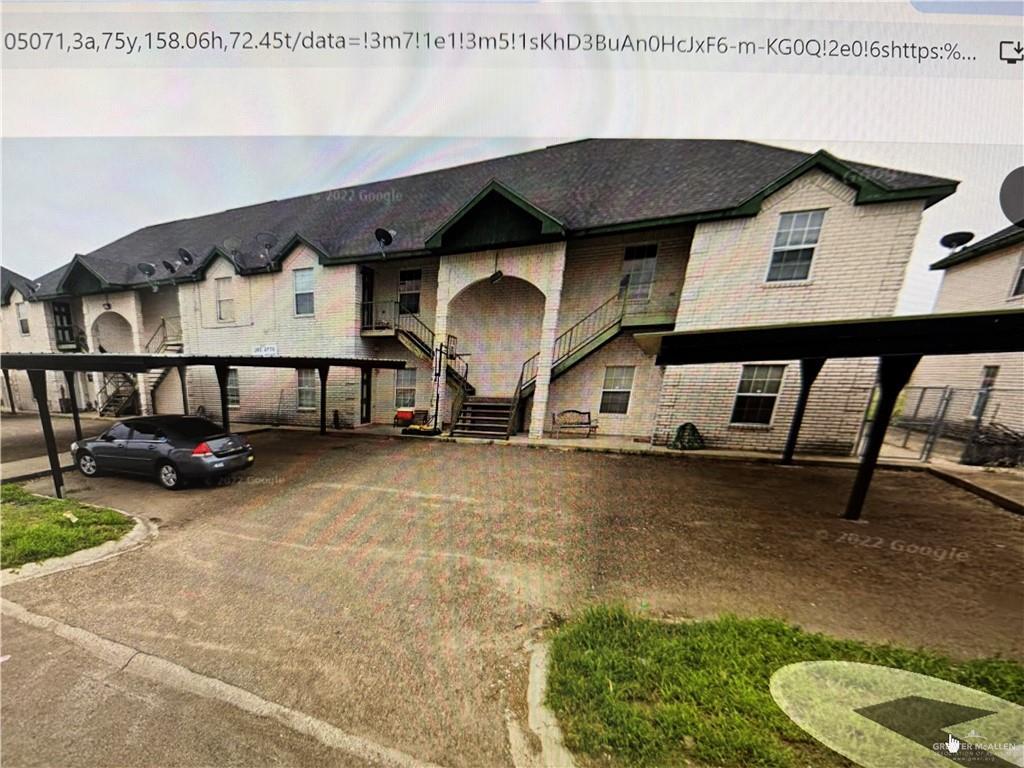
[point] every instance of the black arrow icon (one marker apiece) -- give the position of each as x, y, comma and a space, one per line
924, 720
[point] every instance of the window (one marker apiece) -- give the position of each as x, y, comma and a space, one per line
304, 304
119, 432
988, 380
757, 393
794, 245
225, 299
22, 310
405, 388
307, 388
618, 383
1018, 284
409, 281
144, 430
638, 271
232, 387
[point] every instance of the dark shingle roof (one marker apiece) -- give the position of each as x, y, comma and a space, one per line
586, 185
1004, 238
10, 281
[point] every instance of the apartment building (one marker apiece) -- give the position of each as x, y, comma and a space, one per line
532, 273
986, 275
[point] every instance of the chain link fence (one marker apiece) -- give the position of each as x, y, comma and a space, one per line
981, 426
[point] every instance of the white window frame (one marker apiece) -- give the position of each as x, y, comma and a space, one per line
788, 247
633, 290
233, 390
1018, 283
407, 292
605, 389
296, 292
20, 310
219, 286
310, 390
405, 388
774, 395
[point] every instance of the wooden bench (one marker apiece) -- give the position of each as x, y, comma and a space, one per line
573, 421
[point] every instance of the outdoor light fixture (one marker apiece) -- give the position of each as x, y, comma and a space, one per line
385, 237
497, 274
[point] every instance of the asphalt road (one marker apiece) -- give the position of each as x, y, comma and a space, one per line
21, 436
387, 586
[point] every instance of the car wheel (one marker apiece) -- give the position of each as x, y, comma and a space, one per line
87, 464
168, 476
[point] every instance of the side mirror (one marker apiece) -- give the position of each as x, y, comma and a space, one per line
107, 437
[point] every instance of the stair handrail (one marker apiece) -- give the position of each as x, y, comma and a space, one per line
606, 315
161, 332
123, 385
513, 412
410, 323
461, 369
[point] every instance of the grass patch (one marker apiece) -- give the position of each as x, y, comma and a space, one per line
632, 691
33, 528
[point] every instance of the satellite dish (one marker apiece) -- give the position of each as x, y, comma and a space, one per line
146, 268
266, 241
170, 267
186, 256
232, 245
384, 236
956, 239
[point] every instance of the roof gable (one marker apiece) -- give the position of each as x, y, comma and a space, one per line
1004, 238
496, 215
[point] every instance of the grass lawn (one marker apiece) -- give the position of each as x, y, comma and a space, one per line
34, 528
631, 691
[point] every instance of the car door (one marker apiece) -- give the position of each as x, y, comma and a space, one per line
142, 449
109, 450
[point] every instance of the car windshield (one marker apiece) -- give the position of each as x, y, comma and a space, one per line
195, 428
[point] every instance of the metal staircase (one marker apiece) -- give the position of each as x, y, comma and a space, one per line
118, 395
166, 339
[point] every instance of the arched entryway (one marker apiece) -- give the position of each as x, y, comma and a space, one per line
111, 332
499, 326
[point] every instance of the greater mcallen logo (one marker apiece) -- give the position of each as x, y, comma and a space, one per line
881, 718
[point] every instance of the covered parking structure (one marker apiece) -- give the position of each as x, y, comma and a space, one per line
898, 342
36, 366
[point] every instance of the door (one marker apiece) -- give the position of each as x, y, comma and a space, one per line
143, 448
110, 448
368, 313
366, 396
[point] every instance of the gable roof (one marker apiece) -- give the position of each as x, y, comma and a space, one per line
11, 281
583, 187
1004, 238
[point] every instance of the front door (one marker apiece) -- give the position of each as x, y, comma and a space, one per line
365, 396
368, 313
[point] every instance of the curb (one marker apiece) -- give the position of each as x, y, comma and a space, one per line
1011, 505
35, 474
138, 536
130, 660
542, 721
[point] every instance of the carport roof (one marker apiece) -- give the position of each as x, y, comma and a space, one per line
76, 361
958, 333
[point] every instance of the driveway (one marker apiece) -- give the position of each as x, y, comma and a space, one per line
23, 437
387, 586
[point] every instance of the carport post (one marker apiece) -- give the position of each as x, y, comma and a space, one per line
893, 374
222, 382
38, 381
10, 392
69, 377
810, 367
323, 370
184, 389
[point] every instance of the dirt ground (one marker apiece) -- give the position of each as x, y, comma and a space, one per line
388, 586
22, 438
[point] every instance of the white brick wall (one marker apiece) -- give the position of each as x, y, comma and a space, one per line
857, 270
580, 389
265, 314
981, 284
38, 339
